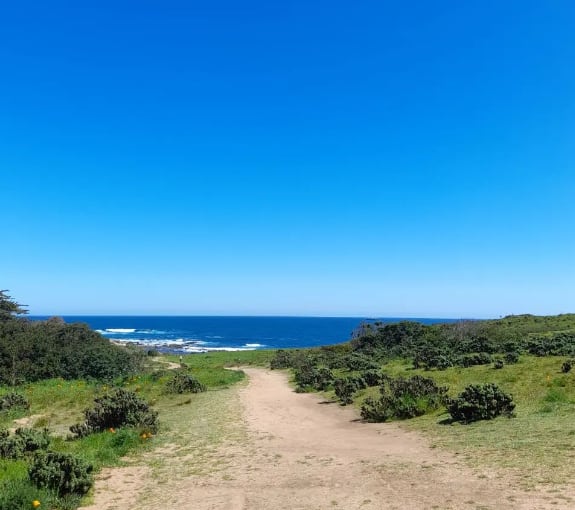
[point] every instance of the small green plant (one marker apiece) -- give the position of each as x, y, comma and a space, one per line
567, 366
184, 383
481, 402
61, 472
498, 364
13, 401
121, 408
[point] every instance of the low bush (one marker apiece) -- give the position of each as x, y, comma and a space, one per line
498, 364
13, 401
373, 377
282, 359
22, 442
61, 472
511, 357
308, 376
360, 362
480, 402
478, 358
184, 383
404, 398
345, 389
121, 408
567, 366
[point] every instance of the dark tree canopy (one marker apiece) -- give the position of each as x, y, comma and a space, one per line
9, 308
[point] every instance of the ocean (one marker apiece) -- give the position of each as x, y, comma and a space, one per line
197, 334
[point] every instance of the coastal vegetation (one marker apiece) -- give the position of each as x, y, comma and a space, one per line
486, 372
499, 392
72, 402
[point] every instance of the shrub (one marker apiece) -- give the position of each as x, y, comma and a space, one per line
282, 359
480, 402
478, 358
511, 357
345, 389
432, 357
498, 364
373, 377
22, 442
184, 383
404, 398
61, 472
122, 408
567, 366
307, 375
13, 401
359, 362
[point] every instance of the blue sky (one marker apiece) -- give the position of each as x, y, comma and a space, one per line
291, 158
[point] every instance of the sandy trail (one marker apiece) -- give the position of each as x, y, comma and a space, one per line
303, 454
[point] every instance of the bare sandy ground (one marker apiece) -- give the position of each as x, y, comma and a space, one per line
300, 453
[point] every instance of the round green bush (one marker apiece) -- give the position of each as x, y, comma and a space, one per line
61, 472
184, 383
480, 402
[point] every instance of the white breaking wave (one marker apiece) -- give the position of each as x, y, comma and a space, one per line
119, 330
254, 345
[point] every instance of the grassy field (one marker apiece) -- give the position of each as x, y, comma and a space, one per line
538, 443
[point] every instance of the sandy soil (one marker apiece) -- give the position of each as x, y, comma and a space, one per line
302, 454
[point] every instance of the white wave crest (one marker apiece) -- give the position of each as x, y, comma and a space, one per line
254, 345
119, 330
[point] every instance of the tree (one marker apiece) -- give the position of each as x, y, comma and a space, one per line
9, 308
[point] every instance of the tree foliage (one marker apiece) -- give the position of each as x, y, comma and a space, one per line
9, 308
35, 350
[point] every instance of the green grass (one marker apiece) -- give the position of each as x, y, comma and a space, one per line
226, 359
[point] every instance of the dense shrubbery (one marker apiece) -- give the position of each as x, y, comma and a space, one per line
567, 366
61, 472
184, 383
120, 408
557, 344
465, 343
13, 401
404, 398
480, 402
35, 350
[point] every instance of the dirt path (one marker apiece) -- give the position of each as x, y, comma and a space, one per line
301, 454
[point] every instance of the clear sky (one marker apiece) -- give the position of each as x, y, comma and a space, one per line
294, 158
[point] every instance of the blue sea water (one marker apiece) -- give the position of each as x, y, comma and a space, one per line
203, 334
